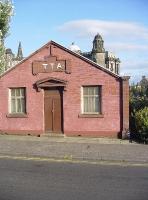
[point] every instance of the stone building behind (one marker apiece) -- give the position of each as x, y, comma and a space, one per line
98, 54
11, 58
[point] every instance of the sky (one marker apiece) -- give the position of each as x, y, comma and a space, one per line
123, 25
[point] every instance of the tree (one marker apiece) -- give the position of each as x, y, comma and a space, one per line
141, 119
138, 108
6, 11
2, 57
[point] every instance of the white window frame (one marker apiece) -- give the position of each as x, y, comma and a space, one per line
99, 95
17, 97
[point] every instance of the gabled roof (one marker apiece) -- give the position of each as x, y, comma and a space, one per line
67, 50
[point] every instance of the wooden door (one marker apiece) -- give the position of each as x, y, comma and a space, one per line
53, 110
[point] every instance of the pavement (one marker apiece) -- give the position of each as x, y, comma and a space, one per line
73, 149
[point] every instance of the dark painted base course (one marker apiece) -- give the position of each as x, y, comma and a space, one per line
110, 134
21, 132
39, 133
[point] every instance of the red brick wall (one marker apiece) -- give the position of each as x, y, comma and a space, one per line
82, 73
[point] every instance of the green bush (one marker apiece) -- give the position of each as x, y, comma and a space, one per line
138, 106
141, 119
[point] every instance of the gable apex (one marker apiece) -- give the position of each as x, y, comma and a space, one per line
51, 42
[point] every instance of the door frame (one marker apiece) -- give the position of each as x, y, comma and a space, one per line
60, 89
48, 83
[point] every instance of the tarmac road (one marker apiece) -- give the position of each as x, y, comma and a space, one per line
44, 180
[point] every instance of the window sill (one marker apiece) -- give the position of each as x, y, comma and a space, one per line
90, 115
17, 115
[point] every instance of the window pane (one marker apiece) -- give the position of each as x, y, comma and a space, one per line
23, 106
90, 104
18, 105
96, 90
96, 105
85, 90
91, 91
18, 100
13, 108
12, 92
22, 92
17, 92
85, 104
91, 99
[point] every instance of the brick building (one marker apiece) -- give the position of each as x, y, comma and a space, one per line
58, 91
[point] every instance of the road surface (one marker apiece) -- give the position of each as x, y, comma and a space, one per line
42, 180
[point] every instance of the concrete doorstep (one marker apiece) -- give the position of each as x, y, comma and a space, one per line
74, 148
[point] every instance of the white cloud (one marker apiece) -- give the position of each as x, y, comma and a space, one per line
140, 66
120, 46
128, 40
134, 68
118, 36
85, 28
